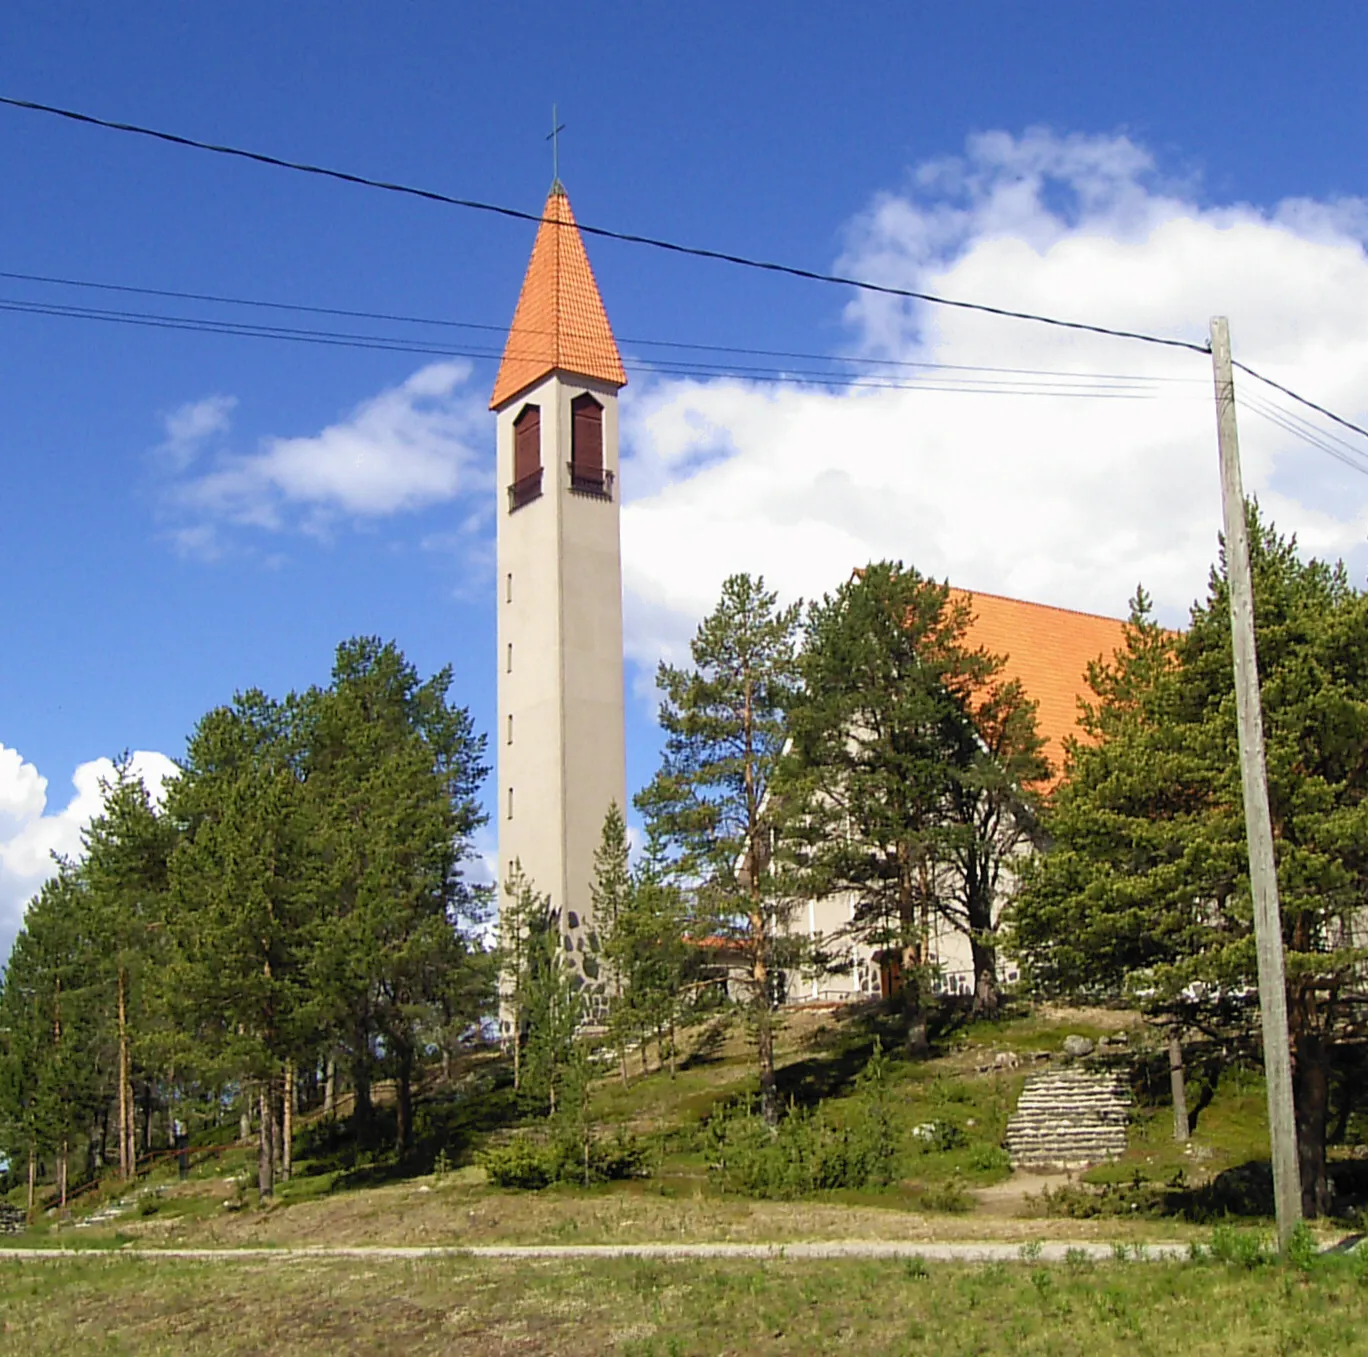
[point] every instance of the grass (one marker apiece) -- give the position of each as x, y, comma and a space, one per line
345, 1192
647, 1308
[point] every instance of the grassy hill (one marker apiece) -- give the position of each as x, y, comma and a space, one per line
951, 1177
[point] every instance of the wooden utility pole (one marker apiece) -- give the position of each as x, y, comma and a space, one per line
1263, 874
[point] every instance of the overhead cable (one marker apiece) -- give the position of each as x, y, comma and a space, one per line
1310, 404
674, 247
1068, 384
1286, 421
626, 237
399, 318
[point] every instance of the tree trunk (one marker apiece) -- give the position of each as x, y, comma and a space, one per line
62, 1175
403, 1104
265, 1154
128, 1158
1182, 1129
277, 1131
330, 1088
147, 1118
287, 1127
32, 1180
361, 1092
245, 1119
987, 998
914, 1012
1311, 1095
622, 1059
764, 1028
913, 955
674, 1055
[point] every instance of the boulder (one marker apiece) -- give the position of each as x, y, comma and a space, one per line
1078, 1046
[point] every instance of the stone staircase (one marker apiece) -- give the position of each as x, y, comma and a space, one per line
1069, 1118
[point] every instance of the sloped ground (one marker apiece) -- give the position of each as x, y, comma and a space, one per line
963, 1191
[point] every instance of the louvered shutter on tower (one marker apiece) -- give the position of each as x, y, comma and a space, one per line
527, 444
586, 438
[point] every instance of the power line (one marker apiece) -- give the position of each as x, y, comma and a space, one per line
768, 266
1310, 404
1284, 419
222, 300
626, 237
399, 318
982, 385
1306, 426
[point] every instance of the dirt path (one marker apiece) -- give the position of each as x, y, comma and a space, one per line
979, 1251
1008, 1198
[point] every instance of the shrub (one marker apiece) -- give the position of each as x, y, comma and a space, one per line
986, 1158
1080, 1202
940, 1136
852, 1145
531, 1164
522, 1162
948, 1196
1301, 1248
1238, 1248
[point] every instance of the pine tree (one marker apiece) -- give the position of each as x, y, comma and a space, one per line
1147, 884
127, 854
710, 804
610, 892
996, 770
549, 1002
244, 895
392, 770
641, 920
869, 765
53, 1079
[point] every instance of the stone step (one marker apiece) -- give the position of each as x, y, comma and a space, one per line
1069, 1118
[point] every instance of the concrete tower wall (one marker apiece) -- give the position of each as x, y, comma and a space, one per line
561, 760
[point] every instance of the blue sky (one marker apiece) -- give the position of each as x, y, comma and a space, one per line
152, 568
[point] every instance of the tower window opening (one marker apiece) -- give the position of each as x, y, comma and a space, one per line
510, 803
527, 459
510, 727
587, 473
509, 668
509, 595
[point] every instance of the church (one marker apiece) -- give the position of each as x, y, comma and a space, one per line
560, 736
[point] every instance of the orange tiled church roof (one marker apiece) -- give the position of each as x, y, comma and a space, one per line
560, 322
1048, 650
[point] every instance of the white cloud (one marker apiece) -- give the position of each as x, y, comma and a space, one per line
413, 445
1064, 500
30, 834
191, 426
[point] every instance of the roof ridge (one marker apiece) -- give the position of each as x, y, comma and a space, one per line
1032, 603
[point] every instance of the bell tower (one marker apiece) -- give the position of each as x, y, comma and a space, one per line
561, 746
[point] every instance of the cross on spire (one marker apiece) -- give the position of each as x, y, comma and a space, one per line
557, 127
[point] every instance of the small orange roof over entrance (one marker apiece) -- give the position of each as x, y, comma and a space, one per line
560, 323
1048, 650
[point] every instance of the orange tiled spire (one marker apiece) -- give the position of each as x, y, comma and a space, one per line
560, 322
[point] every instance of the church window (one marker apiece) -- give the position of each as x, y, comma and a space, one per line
510, 803
587, 473
509, 596
510, 727
527, 460
509, 668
